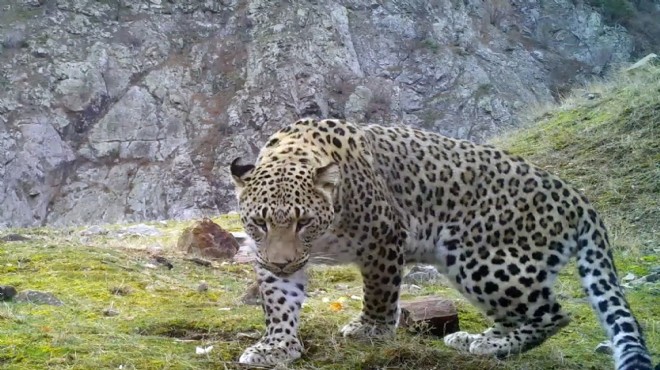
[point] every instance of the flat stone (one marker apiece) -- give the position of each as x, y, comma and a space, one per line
434, 315
37, 297
139, 230
421, 274
604, 347
653, 277
13, 238
94, 230
110, 312
629, 277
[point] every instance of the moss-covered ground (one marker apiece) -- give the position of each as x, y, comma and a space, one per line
607, 146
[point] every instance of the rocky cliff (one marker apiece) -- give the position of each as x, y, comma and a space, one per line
119, 110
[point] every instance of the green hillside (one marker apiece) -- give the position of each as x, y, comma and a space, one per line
605, 139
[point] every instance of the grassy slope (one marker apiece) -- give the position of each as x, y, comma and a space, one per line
608, 147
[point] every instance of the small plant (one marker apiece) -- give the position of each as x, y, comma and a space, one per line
618, 11
431, 45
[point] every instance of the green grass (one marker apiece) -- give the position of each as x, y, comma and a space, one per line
608, 147
162, 317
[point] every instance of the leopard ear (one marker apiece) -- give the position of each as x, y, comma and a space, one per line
326, 178
240, 173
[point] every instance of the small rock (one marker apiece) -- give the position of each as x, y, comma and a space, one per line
13, 238
604, 347
203, 350
538, 54
411, 287
208, 239
649, 60
164, 261
94, 230
240, 236
34, 3
421, 274
653, 278
203, 287
139, 230
629, 277
7, 292
155, 249
120, 290
436, 315
253, 335
40, 52
650, 278
110, 312
36, 297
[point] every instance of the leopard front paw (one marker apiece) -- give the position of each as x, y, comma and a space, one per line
363, 328
460, 340
487, 347
272, 351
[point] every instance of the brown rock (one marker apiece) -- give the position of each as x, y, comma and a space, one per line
207, 239
434, 315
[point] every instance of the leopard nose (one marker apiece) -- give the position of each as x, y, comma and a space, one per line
281, 266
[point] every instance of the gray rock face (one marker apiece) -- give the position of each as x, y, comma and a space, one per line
127, 110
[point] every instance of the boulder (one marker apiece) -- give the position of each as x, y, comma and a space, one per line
207, 239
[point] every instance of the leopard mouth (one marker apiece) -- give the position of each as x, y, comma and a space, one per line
284, 270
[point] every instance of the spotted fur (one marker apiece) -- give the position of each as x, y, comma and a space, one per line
499, 228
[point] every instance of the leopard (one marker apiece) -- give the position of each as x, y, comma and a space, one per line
382, 197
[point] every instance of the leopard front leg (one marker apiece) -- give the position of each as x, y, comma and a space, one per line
282, 299
381, 274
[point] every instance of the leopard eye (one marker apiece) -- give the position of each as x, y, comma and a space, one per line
302, 223
261, 223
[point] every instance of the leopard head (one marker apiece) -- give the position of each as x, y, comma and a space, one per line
285, 205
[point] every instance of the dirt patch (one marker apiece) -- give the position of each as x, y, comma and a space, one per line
186, 331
